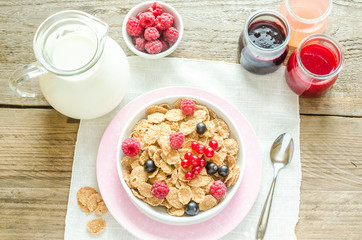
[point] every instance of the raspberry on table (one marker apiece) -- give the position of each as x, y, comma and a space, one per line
153, 47
139, 43
131, 147
155, 8
134, 27
176, 140
147, 19
170, 35
165, 45
151, 33
218, 189
159, 190
164, 21
187, 106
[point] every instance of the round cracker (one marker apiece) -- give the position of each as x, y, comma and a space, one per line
96, 226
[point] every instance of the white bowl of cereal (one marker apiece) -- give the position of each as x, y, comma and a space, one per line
186, 201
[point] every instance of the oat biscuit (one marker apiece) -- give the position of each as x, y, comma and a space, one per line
96, 226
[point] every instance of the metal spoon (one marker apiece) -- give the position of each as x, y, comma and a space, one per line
281, 153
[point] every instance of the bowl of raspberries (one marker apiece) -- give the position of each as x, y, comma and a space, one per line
152, 29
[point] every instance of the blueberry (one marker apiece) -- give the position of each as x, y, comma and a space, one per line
223, 171
192, 208
201, 128
150, 166
211, 168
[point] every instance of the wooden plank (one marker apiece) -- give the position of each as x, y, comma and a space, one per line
36, 148
36, 152
212, 30
331, 153
330, 215
33, 213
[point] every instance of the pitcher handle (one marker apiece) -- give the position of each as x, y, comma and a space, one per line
22, 75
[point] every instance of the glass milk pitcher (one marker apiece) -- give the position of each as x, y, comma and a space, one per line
82, 72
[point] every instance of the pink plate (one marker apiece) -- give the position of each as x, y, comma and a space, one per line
123, 210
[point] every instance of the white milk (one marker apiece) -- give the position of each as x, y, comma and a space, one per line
90, 94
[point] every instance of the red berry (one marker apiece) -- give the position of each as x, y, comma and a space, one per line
213, 144
131, 147
170, 35
209, 152
164, 21
134, 27
139, 43
165, 45
153, 47
196, 170
185, 163
176, 140
200, 149
194, 145
194, 160
159, 189
218, 189
139, 14
189, 175
202, 162
187, 105
151, 33
147, 19
188, 155
155, 8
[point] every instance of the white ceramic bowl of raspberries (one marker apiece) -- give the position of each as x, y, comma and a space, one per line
152, 29
159, 213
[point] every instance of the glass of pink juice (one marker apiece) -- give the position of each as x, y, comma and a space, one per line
306, 17
314, 66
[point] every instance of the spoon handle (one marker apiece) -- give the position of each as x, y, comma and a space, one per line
264, 217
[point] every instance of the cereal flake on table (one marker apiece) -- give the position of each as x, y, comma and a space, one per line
186, 158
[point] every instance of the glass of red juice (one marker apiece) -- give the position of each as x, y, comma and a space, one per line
314, 66
263, 43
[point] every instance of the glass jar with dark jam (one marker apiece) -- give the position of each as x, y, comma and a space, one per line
263, 44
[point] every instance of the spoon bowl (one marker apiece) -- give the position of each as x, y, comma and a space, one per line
282, 149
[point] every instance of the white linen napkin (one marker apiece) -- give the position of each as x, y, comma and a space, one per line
265, 100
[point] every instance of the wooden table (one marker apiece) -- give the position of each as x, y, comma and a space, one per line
37, 143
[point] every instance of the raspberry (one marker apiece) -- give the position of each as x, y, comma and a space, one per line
165, 45
218, 189
134, 27
159, 189
170, 35
164, 21
153, 47
155, 8
187, 106
139, 43
151, 33
176, 140
147, 19
131, 147
138, 15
